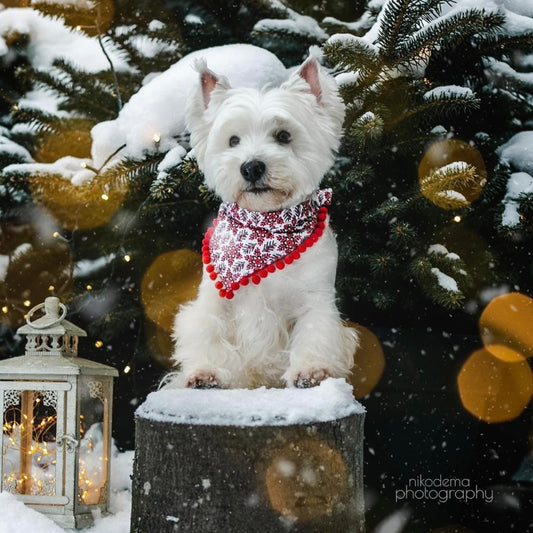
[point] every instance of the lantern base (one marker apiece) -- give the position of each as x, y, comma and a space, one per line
68, 520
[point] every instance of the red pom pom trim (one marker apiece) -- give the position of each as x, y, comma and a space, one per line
257, 276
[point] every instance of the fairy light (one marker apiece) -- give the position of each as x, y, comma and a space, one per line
89, 287
127, 258
127, 369
51, 288
157, 138
85, 165
98, 344
39, 479
26, 303
105, 197
457, 218
5, 309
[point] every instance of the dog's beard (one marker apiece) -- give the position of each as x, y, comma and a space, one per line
261, 197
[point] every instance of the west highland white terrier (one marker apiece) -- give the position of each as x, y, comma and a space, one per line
265, 312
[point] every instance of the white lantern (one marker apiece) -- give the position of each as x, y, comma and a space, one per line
56, 408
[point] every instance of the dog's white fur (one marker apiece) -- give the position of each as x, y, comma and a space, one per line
287, 328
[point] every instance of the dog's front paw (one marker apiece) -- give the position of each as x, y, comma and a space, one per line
203, 379
310, 378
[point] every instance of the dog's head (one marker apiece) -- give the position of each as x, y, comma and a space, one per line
266, 150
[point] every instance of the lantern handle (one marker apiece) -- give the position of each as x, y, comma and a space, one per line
50, 311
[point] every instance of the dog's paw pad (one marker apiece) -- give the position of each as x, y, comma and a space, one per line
305, 380
203, 380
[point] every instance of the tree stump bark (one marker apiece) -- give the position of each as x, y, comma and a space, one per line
193, 474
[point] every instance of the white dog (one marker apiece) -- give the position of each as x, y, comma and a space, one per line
265, 312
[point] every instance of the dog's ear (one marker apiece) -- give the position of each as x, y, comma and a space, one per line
208, 81
309, 71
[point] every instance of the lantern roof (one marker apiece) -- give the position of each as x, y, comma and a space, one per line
56, 365
53, 322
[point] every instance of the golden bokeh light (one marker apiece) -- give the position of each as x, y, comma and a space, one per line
29, 276
506, 326
171, 280
306, 480
160, 345
77, 207
494, 390
72, 140
369, 362
446, 191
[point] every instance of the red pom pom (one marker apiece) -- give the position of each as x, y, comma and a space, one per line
222, 293
322, 216
271, 268
263, 273
206, 259
288, 260
235, 286
295, 255
210, 268
280, 265
229, 295
244, 281
219, 285
302, 248
313, 238
321, 226
319, 232
323, 209
213, 275
256, 279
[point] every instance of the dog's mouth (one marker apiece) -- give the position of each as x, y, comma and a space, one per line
258, 189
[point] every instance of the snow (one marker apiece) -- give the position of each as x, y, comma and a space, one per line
294, 23
158, 108
17, 517
449, 91
440, 249
51, 38
519, 183
445, 281
332, 399
517, 151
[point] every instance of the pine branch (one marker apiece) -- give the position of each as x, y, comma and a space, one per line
444, 33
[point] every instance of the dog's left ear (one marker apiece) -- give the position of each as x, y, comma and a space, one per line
309, 71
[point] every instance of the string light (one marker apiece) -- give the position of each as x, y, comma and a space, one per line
98, 344
26, 303
157, 138
457, 218
89, 287
127, 258
105, 197
51, 288
5, 309
127, 369
83, 164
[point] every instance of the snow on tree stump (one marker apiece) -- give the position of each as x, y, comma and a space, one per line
240, 461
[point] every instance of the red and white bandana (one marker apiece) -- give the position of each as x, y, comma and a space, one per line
244, 246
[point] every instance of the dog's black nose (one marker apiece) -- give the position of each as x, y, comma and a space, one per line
253, 171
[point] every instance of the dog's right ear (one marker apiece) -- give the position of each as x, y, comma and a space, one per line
209, 80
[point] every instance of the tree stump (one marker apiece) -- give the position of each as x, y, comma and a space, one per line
243, 461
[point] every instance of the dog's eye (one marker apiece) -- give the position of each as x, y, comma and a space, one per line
234, 141
283, 137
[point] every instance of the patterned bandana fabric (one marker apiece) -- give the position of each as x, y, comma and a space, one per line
247, 245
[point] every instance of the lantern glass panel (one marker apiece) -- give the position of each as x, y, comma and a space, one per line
94, 440
29, 443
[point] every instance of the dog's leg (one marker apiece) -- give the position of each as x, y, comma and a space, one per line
321, 347
199, 333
